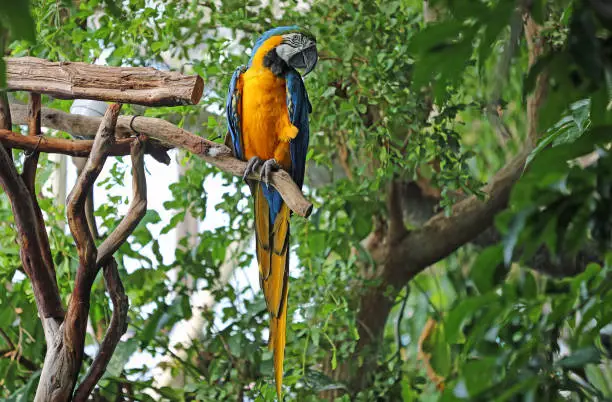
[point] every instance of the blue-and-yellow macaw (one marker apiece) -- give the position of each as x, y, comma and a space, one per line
267, 112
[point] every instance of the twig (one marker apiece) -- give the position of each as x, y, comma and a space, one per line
24, 361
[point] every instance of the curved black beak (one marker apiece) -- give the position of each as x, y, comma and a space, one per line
305, 59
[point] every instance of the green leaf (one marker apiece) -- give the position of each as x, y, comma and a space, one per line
28, 391
580, 358
485, 267
473, 371
17, 17
511, 238
122, 355
318, 382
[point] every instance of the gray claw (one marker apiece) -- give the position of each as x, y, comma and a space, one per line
269, 166
252, 164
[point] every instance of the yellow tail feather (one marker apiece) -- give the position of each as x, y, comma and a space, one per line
272, 245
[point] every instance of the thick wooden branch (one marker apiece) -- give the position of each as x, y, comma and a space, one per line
75, 80
136, 210
116, 329
76, 212
442, 234
172, 137
44, 285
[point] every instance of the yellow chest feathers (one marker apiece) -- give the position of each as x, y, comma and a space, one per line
265, 118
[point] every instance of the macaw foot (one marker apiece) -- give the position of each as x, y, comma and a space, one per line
252, 164
269, 166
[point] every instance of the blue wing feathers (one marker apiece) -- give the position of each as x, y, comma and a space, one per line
299, 108
233, 110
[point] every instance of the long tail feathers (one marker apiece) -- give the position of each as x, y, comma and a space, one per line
273, 257
278, 328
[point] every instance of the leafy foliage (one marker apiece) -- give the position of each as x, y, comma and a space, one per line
395, 98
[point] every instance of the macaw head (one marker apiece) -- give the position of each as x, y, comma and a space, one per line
297, 47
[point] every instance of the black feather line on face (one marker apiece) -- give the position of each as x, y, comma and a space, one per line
277, 65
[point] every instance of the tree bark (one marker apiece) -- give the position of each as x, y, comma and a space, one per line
75, 80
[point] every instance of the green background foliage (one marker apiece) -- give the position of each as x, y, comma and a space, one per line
506, 328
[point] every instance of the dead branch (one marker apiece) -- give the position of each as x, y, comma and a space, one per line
73, 80
171, 136
51, 145
116, 329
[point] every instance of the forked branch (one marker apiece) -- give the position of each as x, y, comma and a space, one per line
65, 351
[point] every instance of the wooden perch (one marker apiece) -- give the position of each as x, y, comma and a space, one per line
74, 80
51, 145
170, 136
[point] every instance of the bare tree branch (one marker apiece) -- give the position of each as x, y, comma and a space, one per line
30, 240
172, 136
51, 145
65, 351
118, 324
76, 80
116, 329
136, 211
